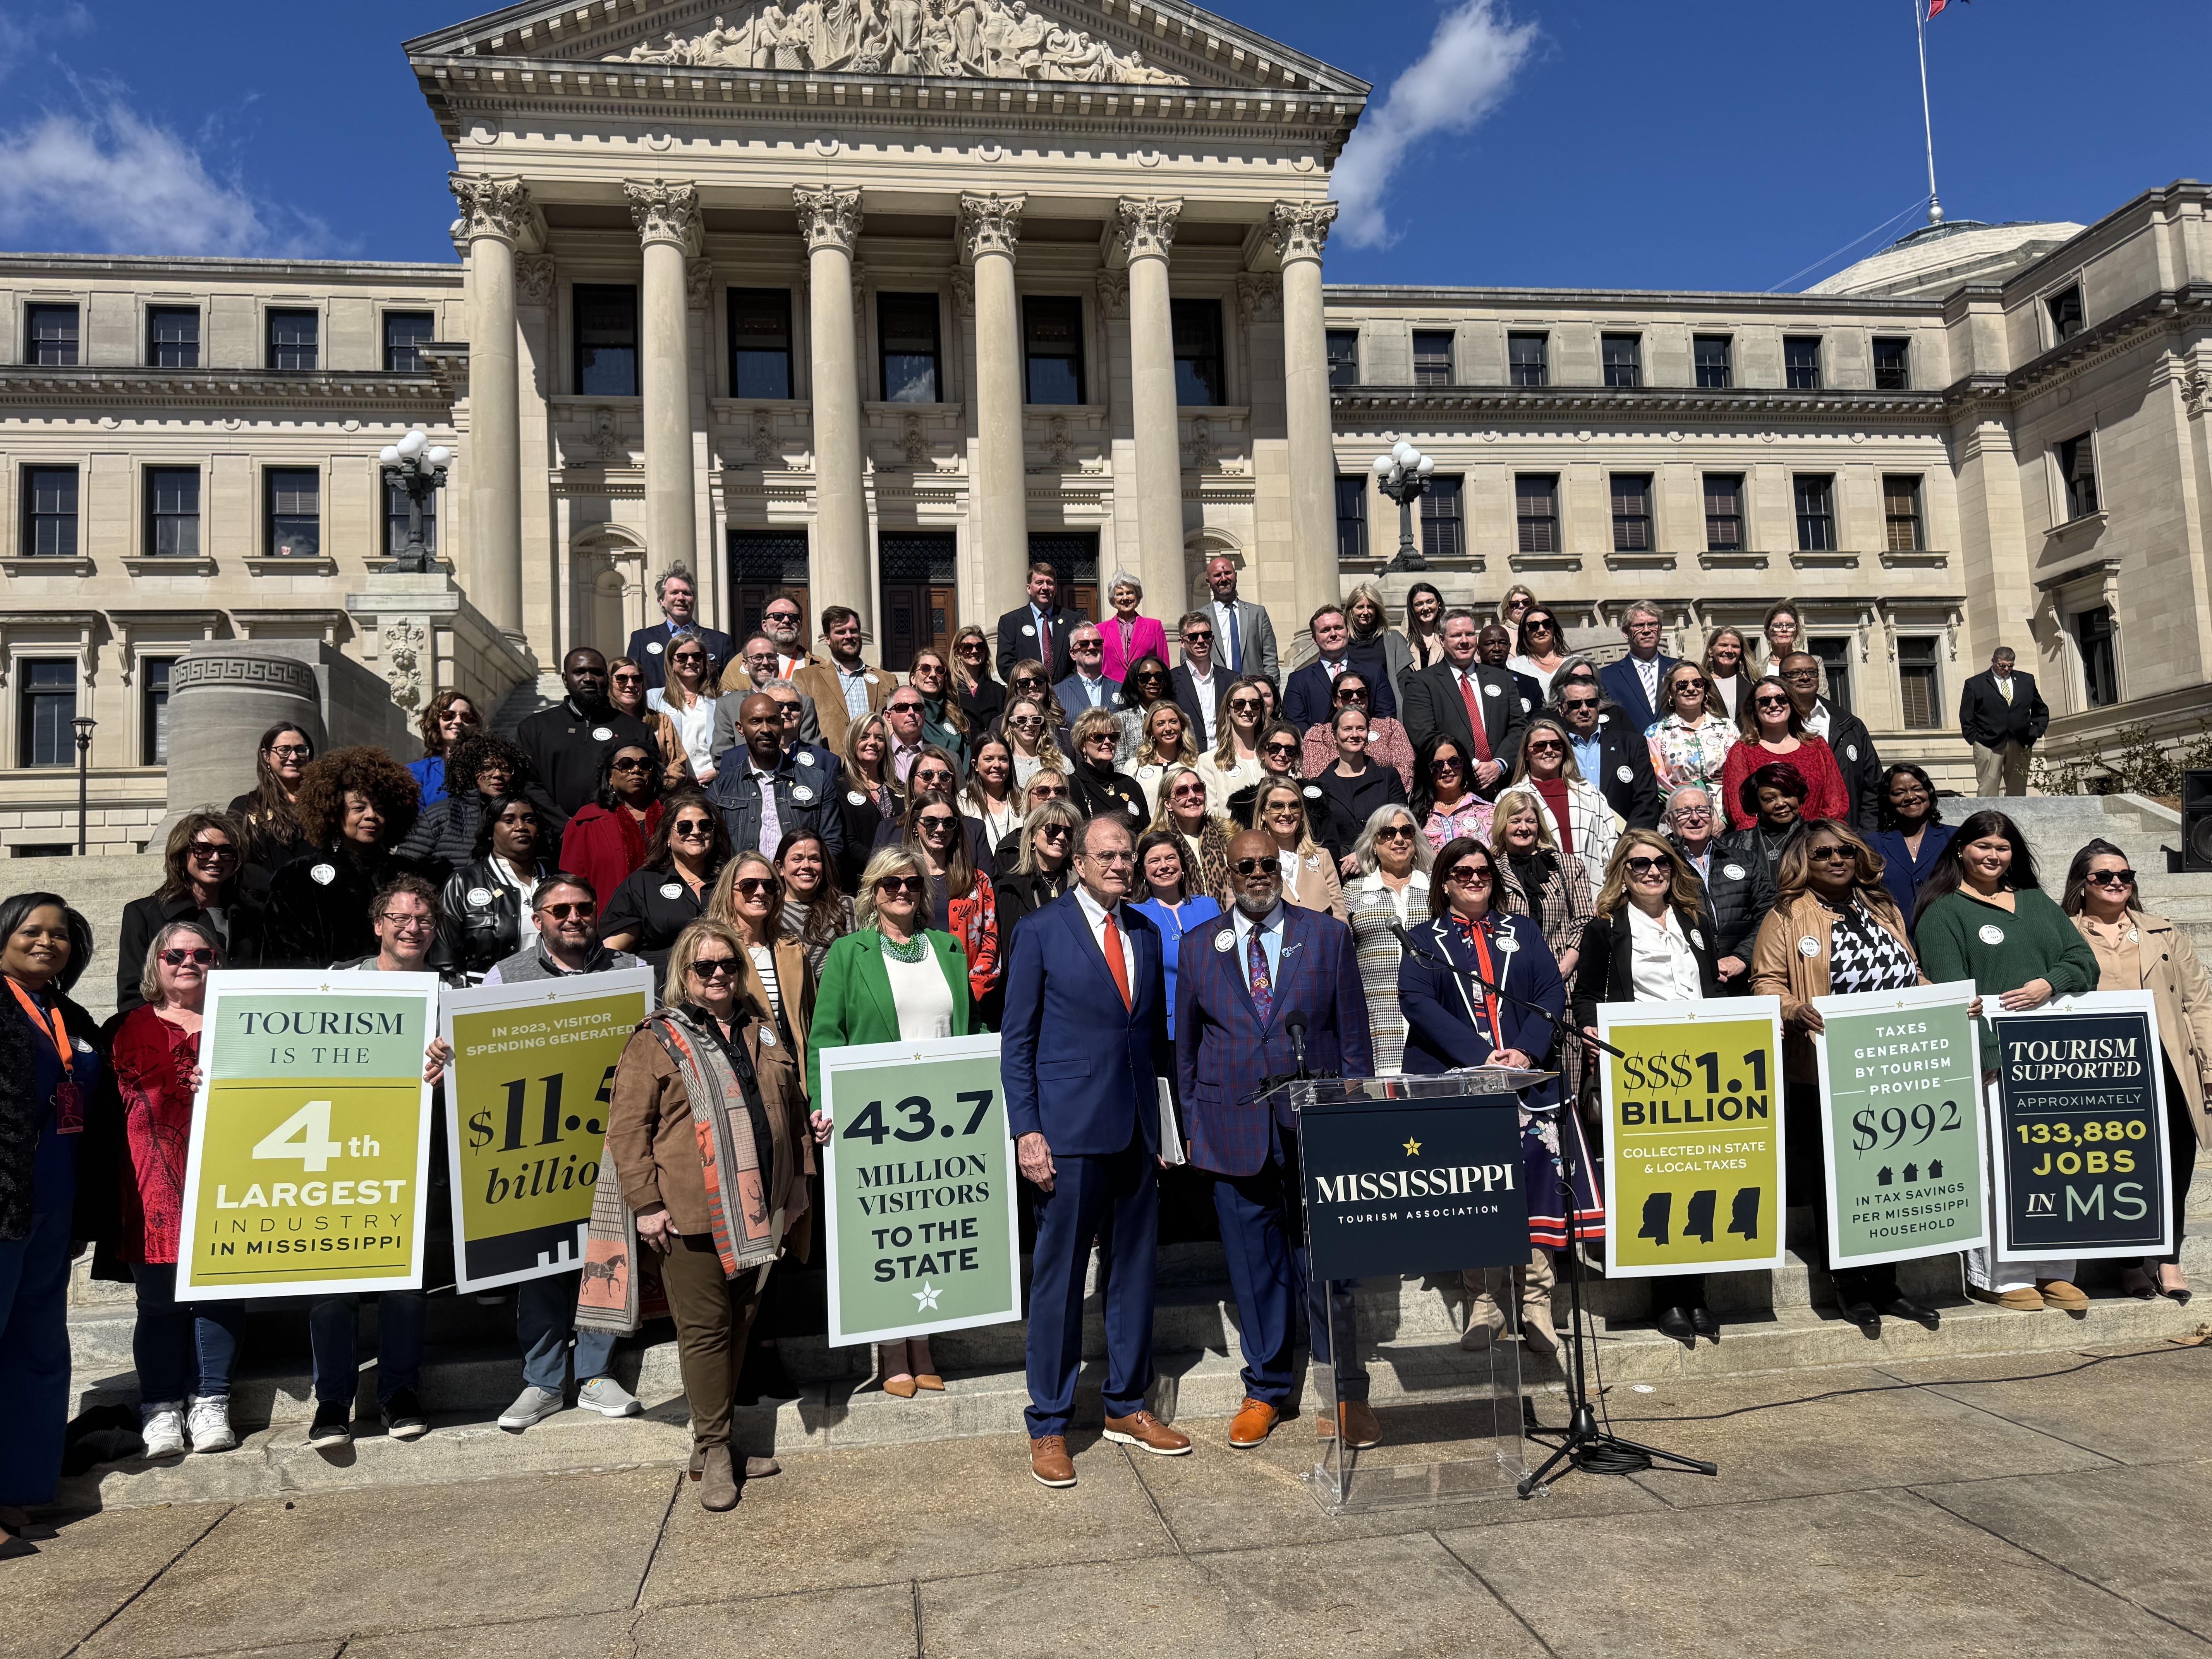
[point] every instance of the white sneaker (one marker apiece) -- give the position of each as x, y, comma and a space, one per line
532, 1405
163, 1428
209, 1423
607, 1397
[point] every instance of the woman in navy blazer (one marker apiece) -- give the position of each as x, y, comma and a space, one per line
1912, 834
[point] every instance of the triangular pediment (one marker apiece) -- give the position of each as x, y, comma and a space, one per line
1103, 42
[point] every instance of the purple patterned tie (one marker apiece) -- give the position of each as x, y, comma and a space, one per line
1263, 988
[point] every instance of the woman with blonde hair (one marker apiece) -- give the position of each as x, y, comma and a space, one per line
867, 794
893, 980
1308, 873
1098, 787
1647, 942
1234, 764
1691, 739
1028, 730
1727, 670
1164, 744
1834, 930
1185, 811
1030, 679
982, 698
1582, 821
1043, 867
1376, 649
700, 1083
943, 722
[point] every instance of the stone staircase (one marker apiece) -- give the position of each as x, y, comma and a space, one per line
2056, 827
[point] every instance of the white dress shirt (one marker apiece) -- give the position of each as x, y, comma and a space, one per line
1225, 623
1662, 963
1207, 686
1817, 721
1095, 915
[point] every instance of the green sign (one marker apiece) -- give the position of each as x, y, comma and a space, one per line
1900, 1079
310, 1142
918, 1176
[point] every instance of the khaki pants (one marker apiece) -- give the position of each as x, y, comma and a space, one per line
712, 1314
2005, 767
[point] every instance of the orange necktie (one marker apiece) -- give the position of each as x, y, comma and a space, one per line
1115, 965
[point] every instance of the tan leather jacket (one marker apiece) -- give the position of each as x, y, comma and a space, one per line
1780, 969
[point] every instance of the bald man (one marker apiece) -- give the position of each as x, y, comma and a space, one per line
765, 795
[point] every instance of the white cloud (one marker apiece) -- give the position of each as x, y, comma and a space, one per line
108, 181
1463, 76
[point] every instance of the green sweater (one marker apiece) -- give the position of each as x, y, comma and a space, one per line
2035, 941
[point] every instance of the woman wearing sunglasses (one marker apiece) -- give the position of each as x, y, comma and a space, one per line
1582, 821
1690, 740
709, 1043
1308, 870
943, 722
982, 698
1042, 866
669, 891
1453, 1021
1540, 646
487, 901
1027, 678
1833, 931
203, 883
1387, 742
183, 1356
1234, 764
1282, 747
1443, 797
896, 980
2138, 950
607, 838
688, 699
1776, 734
962, 900
626, 691
1099, 789
1391, 888
1030, 736
1165, 746
1647, 943
448, 718
1185, 812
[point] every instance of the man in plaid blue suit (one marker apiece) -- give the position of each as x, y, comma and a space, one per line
1238, 984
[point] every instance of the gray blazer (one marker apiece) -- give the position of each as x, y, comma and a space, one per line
1255, 633
727, 736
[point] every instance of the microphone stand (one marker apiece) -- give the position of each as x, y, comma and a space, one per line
1583, 1443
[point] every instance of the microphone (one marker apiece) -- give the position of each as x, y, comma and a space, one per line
1295, 1023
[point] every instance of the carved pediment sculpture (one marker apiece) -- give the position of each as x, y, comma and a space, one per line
995, 39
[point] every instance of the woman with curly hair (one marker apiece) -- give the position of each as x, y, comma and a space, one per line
270, 810
480, 769
355, 806
450, 717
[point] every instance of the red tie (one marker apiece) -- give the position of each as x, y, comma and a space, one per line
1115, 965
1474, 715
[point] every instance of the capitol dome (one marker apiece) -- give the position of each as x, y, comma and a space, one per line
1938, 260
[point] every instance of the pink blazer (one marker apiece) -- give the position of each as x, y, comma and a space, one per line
1150, 640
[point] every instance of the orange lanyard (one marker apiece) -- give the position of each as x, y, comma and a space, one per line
51, 1024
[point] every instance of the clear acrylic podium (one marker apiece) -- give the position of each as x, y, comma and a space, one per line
1403, 1183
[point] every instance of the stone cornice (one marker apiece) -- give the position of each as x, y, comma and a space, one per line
2169, 309
1696, 403
662, 212
989, 224
1549, 302
221, 388
53, 267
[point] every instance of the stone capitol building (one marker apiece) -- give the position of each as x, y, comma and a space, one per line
877, 300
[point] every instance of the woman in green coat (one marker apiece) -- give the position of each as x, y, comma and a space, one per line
1985, 917
892, 980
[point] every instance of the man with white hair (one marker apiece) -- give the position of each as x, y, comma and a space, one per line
1739, 891
1088, 686
1634, 680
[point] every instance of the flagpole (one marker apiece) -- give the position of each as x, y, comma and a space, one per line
1927, 122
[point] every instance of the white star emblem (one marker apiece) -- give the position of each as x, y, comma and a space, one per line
926, 1296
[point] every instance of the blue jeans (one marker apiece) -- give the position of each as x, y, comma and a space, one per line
35, 1354
181, 1352
333, 1328
544, 1317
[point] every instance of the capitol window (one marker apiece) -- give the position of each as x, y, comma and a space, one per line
1893, 364
173, 336
294, 340
1536, 508
760, 343
606, 339
1624, 360
2077, 475
1800, 362
172, 512
49, 512
906, 326
50, 335
1716, 365
1529, 357
1816, 513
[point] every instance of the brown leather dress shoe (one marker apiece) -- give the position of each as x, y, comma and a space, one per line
1254, 1419
1141, 1428
1361, 1430
1049, 1463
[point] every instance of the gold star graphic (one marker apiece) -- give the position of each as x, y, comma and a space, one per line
1412, 1149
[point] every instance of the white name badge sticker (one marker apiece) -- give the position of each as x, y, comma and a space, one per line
1491, 691
1626, 774
1991, 933
1508, 944
479, 897
1809, 947
802, 794
652, 647
1733, 872
671, 890
323, 874
856, 798
1224, 943
602, 734
1313, 791
1028, 630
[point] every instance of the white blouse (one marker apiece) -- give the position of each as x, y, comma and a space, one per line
1661, 962
922, 998
694, 727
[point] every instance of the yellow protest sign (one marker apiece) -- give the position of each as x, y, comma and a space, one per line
529, 1086
310, 1143
1693, 1160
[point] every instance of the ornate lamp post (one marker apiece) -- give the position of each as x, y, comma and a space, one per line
1402, 473
83, 725
420, 467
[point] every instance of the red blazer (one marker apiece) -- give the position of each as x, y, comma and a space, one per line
1814, 762
605, 847
1150, 639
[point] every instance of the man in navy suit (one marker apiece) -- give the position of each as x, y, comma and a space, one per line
1240, 983
1634, 680
1083, 1100
1441, 699
677, 594
1038, 629
1310, 699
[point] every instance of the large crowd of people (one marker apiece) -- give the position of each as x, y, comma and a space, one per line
810, 851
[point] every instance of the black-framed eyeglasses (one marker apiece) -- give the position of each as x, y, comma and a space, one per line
970, 647
1258, 866
2113, 878
906, 707
714, 968
694, 657
1101, 736
932, 778
1644, 866
1030, 682
1084, 647
1688, 812
177, 957
1198, 636
1537, 625
1801, 674
292, 751
781, 616
1683, 684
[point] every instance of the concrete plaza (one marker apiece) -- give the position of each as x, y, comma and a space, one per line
2046, 1502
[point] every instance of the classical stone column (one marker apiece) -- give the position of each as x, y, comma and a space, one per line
1147, 228
497, 216
1299, 230
667, 218
830, 219
990, 227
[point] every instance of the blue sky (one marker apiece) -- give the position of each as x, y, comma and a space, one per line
1634, 144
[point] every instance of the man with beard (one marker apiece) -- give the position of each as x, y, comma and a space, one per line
565, 743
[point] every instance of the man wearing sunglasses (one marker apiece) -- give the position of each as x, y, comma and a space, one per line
677, 593
1240, 981
783, 622
1614, 757
1196, 686
1739, 889
765, 793
1476, 706
1039, 628
568, 945
1088, 686
1846, 736
758, 673
1084, 1092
